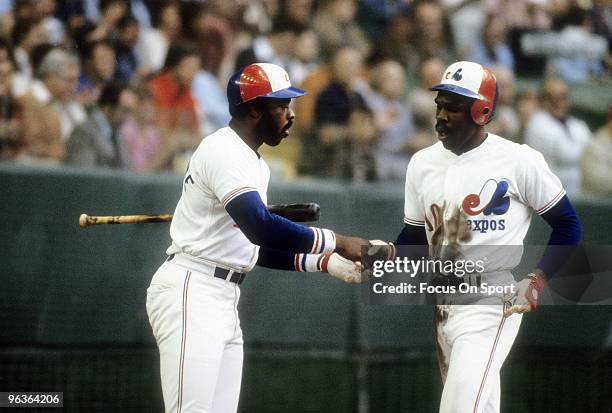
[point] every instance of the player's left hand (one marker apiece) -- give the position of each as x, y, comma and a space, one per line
341, 268
527, 293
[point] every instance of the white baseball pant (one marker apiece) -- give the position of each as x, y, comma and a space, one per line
473, 342
195, 322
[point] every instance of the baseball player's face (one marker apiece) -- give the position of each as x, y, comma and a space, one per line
454, 124
277, 117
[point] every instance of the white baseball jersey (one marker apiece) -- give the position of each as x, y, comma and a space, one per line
222, 168
497, 184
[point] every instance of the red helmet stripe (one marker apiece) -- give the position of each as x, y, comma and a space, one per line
487, 86
254, 82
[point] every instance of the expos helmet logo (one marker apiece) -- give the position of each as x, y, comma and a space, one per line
495, 192
458, 76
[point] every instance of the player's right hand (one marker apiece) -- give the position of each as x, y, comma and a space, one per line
527, 293
341, 268
350, 247
377, 251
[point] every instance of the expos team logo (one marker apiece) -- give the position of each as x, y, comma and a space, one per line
491, 200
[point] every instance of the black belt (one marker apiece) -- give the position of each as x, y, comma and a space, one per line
236, 277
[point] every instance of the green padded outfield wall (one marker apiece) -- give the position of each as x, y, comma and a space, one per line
72, 314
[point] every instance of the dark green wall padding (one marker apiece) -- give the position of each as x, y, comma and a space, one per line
73, 319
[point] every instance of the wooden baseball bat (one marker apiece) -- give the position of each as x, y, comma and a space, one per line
88, 220
308, 212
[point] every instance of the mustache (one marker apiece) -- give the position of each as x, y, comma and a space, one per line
440, 127
288, 125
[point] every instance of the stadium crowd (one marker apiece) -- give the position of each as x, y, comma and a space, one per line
136, 84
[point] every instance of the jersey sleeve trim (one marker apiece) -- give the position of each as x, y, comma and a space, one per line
552, 202
235, 193
414, 222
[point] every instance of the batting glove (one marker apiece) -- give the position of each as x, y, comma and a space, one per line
341, 268
527, 293
377, 251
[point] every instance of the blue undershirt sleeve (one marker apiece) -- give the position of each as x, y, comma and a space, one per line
566, 231
265, 229
275, 259
412, 235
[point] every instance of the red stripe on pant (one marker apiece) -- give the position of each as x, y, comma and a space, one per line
486, 372
183, 340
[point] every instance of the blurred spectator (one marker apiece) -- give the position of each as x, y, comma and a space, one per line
334, 151
27, 34
335, 26
54, 27
422, 105
577, 65
11, 122
491, 48
431, 36
214, 36
95, 143
527, 103
18, 10
72, 15
560, 137
111, 11
305, 52
154, 42
526, 14
314, 84
392, 118
376, 15
138, 8
274, 47
597, 161
359, 160
128, 65
256, 15
506, 121
394, 44
99, 65
299, 11
146, 148
20, 83
467, 21
50, 110
175, 106
211, 102
601, 22
523, 18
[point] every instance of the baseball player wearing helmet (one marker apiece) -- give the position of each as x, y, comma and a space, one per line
220, 230
494, 186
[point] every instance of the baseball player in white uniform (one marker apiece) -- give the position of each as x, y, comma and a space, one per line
497, 185
220, 230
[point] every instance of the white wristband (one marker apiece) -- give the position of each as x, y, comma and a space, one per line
308, 262
324, 240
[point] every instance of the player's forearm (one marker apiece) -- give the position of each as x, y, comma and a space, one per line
288, 261
274, 232
333, 264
